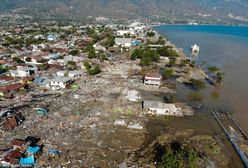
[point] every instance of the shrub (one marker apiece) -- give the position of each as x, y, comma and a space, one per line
137, 53
43, 67
28, 59
71, 63
87, 65
74, 52
150, 34
213, 69
197, 84
174, 156
169, 73
170, 99
94, 71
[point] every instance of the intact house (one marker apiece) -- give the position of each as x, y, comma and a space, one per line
58, 83
22, 71
159, 108
153, 78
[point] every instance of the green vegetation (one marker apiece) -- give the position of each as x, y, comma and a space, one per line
170, 98
94, 71
71, 63
147, 56
174, 156
87, 65
172, 62
185, 62
74, 52
61, 57
3, 69
137, 53
90, 70
18, 60
160, 41
110, 41
213, 69
168, 52
197, 84
28, 59
169, 73
150, 34
43, 67
219, 78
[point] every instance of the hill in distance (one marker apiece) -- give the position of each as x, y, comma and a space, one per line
179, 9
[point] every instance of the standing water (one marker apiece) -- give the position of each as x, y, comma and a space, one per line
225, 47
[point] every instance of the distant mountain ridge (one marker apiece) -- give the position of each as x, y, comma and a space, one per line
73, 9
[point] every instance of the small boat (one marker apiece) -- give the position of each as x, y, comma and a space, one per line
195, 49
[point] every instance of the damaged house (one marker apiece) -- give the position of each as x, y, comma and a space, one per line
9, 120
22, 153
159, 108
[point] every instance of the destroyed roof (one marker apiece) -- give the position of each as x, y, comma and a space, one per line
11, 87
18, 142
153, 74
6, 78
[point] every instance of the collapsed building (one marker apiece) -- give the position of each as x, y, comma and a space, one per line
9, 120
22, 153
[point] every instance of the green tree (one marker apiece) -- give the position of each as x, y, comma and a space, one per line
95, 70
110, 41
137, 53
145, 61
18, 60
178, 157
172, 62
170, 98
43, 67
74, 52
219, 77
87, 65
28, 59
169, 73
150, 34
92, 54
71, 63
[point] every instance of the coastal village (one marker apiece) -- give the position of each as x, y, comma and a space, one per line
82, 95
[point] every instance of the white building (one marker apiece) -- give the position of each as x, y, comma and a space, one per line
61, 73
59, 83
159, 108
74, 74
23, 71
123, 42
153, 78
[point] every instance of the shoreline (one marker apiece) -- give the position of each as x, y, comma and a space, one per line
181, 53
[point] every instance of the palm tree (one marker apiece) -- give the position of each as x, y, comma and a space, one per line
219, 77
